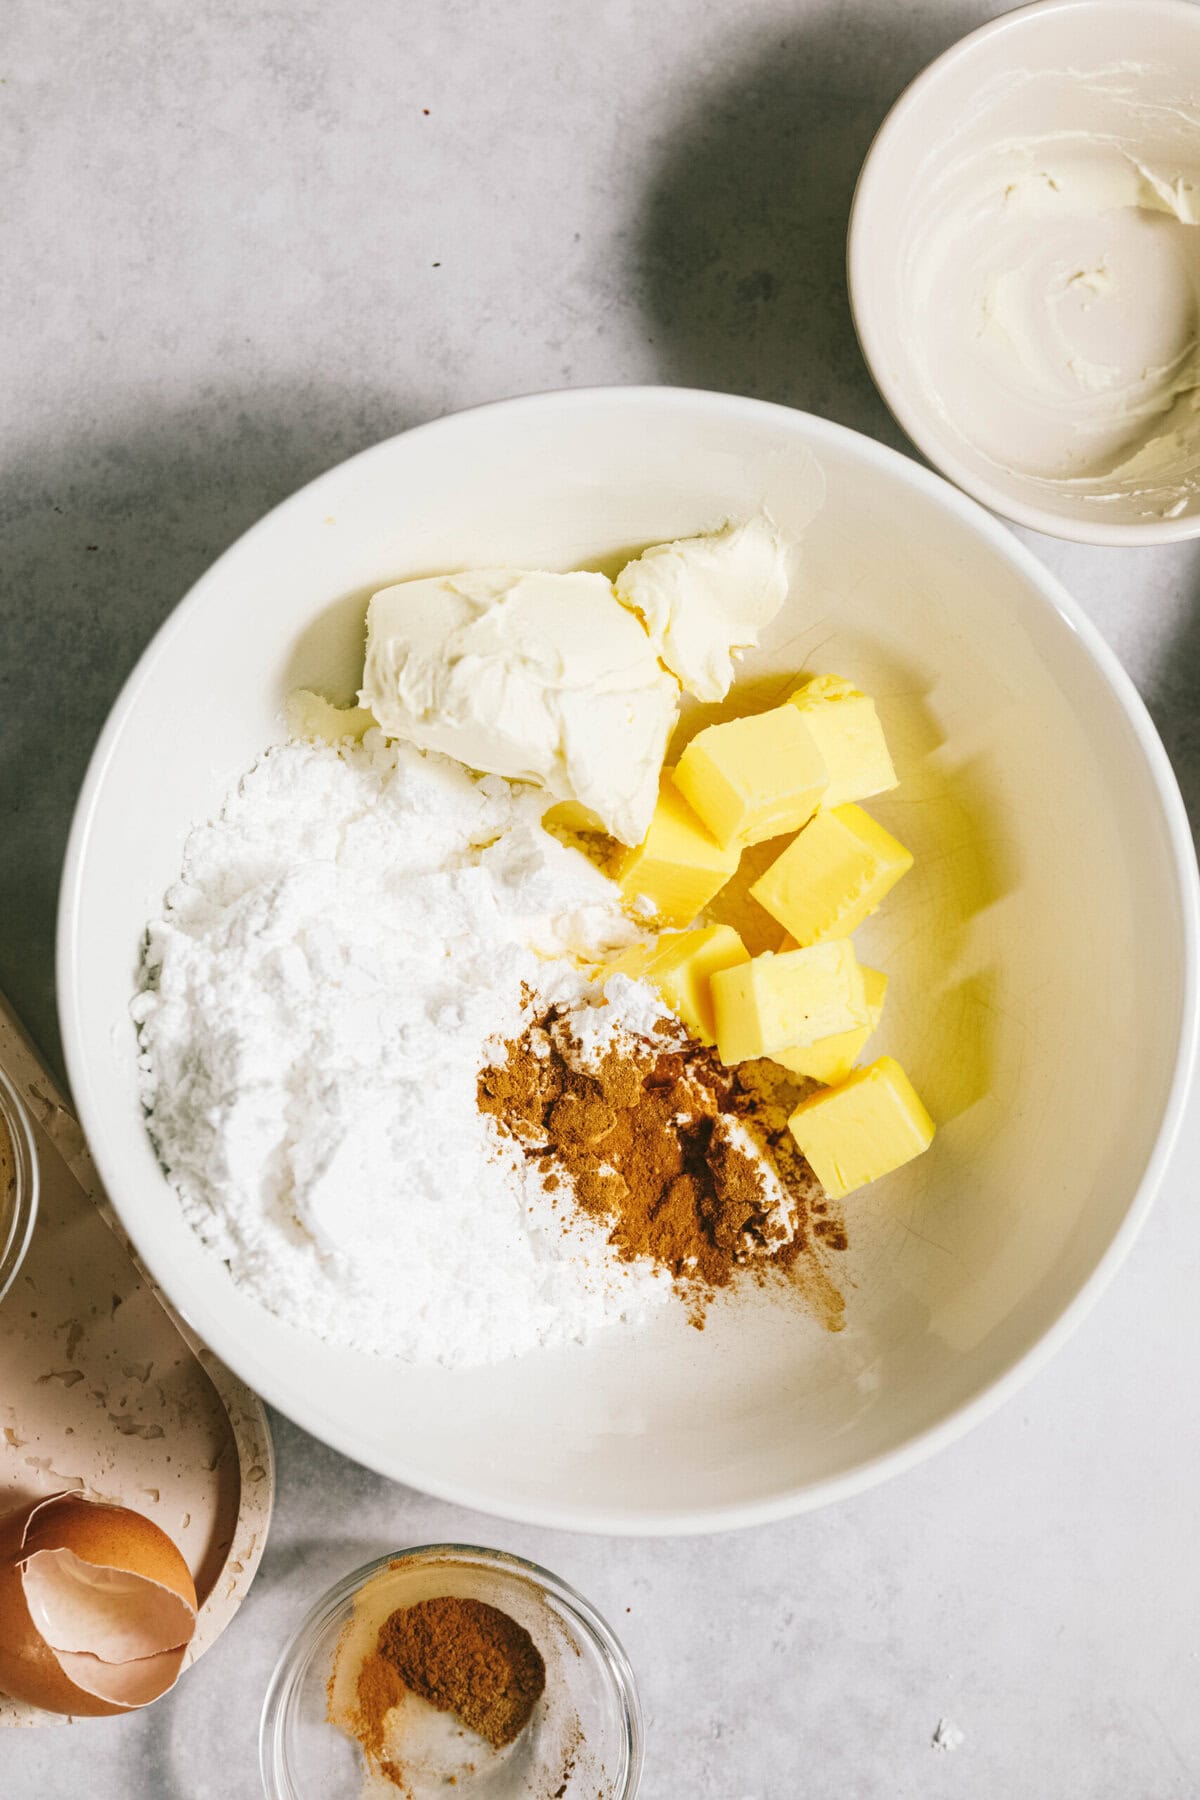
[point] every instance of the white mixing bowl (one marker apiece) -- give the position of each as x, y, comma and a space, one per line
1042, 953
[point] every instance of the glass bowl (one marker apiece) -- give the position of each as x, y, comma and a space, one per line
18, 1183
583, 1740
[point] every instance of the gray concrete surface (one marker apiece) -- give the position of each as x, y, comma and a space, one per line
241, 241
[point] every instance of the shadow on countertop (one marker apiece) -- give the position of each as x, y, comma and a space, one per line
101, 539
739, 257
1173, 695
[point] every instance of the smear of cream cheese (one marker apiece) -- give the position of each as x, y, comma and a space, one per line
705, 599
1054, 283
535, 676
565, 680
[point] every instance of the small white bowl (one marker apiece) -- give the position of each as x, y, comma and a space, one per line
1042, 952
1027, 300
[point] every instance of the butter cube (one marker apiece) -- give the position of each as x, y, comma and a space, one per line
680, 865
783, 1002
832, 875
754, 778
847, 732
831, 1059
871, 1124
631, 961
681, 966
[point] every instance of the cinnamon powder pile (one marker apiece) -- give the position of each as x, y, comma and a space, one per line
462, 1656
686, 1162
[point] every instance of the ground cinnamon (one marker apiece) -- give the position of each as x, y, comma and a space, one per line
468, 1658
685, 1161
462, 1656
379, 1689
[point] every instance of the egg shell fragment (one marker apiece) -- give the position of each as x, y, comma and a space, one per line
96, 1579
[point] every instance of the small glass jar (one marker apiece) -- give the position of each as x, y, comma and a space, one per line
584, 1738
18, 1182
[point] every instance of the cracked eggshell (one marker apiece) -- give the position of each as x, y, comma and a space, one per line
97, 1607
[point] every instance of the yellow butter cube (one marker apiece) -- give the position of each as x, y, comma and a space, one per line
847, 732
680, 865
832, 875
871, 1124
631, 961
782, 1002
831, 1059
754, 778
681, 966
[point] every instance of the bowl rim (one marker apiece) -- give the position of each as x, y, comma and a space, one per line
913, 1450
913, 420
17, 1235
294, 1658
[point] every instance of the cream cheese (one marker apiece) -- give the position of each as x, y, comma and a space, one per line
1054, 288
566, 680
538, 677
704, 599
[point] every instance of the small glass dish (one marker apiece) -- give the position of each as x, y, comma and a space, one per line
583, 1741
18, 1182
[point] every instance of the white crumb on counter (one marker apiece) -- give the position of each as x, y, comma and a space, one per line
348, 944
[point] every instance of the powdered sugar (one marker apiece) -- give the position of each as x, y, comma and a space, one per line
778, 1219
349, 942
597, 1021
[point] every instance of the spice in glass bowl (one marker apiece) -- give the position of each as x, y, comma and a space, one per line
452, 1666
461, 1656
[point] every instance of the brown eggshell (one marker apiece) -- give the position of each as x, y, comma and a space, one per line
108, 1536
115, 1537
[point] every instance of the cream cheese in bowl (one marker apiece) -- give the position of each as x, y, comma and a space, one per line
1055, 296
1039, 330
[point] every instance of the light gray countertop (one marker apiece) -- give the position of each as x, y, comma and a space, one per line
242, 241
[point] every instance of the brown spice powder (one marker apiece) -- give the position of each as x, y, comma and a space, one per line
468, 1658
379, 1689
687, 1162
462, 1656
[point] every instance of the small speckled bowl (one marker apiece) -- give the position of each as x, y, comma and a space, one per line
18, 1183
1071, 407
583, 1742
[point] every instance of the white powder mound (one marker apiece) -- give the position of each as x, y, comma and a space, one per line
348, 944
598, 1021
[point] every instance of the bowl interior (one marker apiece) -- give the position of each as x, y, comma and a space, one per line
1038, 952
1027, 298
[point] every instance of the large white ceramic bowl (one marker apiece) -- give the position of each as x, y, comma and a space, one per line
1043, 951
1024, 322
